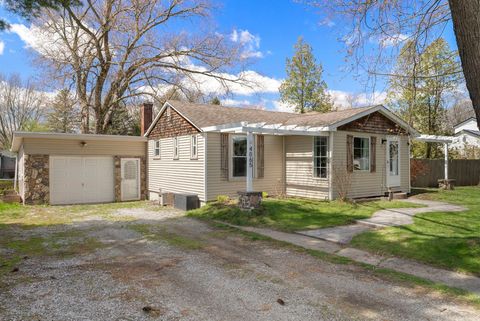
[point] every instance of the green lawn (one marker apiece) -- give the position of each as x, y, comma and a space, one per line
293, 214
449, 240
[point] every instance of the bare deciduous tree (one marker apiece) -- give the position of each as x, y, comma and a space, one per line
20, 106
116, 50
391, 23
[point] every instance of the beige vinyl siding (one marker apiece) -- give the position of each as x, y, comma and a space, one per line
365, 183
182, 175
300, 181
73, 147
272, 183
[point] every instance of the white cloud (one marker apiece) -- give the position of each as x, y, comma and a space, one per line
345, 99
280, 106
390, 41
48, 43
2, 47
250, 42
327, 22
26, 34
342, 100
236, 102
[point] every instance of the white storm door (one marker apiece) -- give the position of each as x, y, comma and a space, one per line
393, 162
130, 179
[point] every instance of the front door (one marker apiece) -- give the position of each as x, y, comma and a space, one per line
130, 179
393, 162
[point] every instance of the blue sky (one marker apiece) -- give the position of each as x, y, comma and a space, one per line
275, 26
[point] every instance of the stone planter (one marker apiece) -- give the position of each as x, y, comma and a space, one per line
447, 184
249, 200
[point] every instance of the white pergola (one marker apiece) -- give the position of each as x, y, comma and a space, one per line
262, 128
445, 140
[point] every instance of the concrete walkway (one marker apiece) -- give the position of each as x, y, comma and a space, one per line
328, 241
380, 219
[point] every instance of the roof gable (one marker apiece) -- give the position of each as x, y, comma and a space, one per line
375, 123
170, 123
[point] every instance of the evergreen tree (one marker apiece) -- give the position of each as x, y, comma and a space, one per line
215, 101
304, 87
64, 117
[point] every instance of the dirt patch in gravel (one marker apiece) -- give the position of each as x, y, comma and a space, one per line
141, 273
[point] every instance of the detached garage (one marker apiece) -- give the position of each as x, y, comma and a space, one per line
55, 168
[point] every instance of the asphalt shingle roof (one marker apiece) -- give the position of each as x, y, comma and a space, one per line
203, 115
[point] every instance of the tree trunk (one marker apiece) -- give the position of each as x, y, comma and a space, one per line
466, 24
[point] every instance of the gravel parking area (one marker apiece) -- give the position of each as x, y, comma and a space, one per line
163, 266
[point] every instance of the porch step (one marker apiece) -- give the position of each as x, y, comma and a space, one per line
400, 196
11, 197
9, 192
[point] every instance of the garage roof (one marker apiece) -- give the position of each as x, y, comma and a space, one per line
19, 136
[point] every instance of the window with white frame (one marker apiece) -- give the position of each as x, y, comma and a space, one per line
156, 148
361, 153
194, 147
320, 156
239, 156
175, 147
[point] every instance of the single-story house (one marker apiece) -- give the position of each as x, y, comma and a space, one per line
203, 149
211, 150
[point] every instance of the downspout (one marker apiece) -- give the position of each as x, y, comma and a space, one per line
284, 168
330, 166
205, 174
16, 173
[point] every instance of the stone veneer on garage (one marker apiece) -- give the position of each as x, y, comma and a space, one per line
36, 179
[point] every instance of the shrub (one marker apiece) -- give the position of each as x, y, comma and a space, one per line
264, 194
225, 199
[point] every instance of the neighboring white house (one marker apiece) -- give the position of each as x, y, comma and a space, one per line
467, 138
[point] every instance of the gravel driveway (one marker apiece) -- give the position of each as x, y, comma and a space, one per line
163, 266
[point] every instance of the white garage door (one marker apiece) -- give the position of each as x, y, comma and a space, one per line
82, 179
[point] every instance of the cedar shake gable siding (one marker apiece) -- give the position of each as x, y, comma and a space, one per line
374, 123
171, 126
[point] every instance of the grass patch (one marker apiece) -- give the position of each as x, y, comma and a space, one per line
157, 233
445, 239
44, 215
293, 214
62, 244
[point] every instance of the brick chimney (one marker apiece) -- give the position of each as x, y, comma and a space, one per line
146, 117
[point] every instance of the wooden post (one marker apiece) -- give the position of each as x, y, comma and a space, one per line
446, 161
250, 161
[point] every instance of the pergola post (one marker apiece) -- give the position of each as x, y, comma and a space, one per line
446, 160
250, 161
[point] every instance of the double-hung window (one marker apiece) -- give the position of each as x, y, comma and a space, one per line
194, 147
320, 156
361, 153
175, 147
239, 156
156, 148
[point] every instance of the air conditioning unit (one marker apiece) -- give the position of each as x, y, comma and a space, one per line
187, 202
